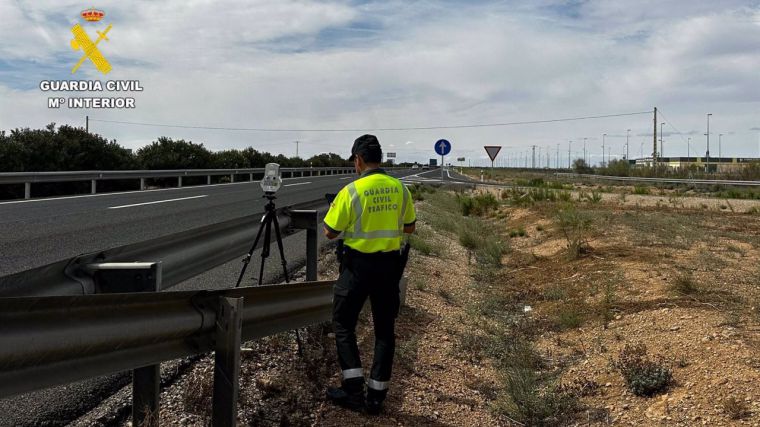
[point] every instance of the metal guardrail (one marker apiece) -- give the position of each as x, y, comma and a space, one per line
662, 180
56, 332
183, 255
48, 341
28, 178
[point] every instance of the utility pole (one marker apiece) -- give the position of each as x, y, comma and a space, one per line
533, 159
654, 139
558, 152
707, 164
720, 152
87, 124
569, 143
604, 136
627, 137
296, 142
662, 144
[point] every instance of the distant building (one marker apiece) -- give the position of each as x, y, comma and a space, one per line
722, 164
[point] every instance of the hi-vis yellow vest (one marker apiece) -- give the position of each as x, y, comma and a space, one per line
371, 212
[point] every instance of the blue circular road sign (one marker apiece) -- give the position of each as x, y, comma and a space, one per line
442, 147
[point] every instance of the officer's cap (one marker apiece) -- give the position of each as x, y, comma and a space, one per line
369, 147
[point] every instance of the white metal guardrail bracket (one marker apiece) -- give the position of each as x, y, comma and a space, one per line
124, 277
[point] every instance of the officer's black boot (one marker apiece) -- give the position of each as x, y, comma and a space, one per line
349, 395
375, 399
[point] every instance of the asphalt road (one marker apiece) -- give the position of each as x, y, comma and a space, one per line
40, 231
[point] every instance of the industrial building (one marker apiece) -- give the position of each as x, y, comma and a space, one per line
717, 164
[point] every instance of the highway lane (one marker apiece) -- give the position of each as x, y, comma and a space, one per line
41, 231
38, 232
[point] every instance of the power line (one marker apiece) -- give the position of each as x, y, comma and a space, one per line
678, 132
482, 125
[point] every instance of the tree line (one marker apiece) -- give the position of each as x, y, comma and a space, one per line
68, 148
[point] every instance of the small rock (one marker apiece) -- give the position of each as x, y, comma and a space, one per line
608, 385
675, 328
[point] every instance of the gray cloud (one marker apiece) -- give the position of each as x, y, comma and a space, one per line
282, 64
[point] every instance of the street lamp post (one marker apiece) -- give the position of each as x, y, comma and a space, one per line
627, 135
720, 149
569, 144
707, 163
688, 148
584, 151
662, 146
604, 136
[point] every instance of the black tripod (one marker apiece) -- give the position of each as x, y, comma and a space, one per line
270, 217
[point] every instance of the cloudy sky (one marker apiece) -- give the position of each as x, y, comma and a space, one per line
301, 66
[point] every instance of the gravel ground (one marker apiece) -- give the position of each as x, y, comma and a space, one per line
431, 385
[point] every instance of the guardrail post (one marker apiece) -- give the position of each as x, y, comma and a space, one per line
232, 178
27, 190
146, 389
208, 180
227, 362
93, 186
308, 220
121, 277
179, 182
142, 184
250, 176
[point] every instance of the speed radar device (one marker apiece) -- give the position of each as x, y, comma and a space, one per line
272, 180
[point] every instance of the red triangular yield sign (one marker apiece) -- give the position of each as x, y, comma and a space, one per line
492, 150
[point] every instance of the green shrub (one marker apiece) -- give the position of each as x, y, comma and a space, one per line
469, 238
595, 197
479, 204
570, 316
419, 244
640, 190
575, 226
645, 377
466, 204
684, 285
736, 409
491, 251
530, 401
555, 293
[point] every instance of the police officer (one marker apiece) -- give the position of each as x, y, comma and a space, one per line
372, 214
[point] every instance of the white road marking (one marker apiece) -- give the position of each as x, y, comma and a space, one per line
297, 183
348, 177
158, 201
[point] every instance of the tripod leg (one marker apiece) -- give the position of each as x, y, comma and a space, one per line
282, 252
267, 242
247, 258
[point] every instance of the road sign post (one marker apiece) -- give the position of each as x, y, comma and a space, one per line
442, 148
492, 151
